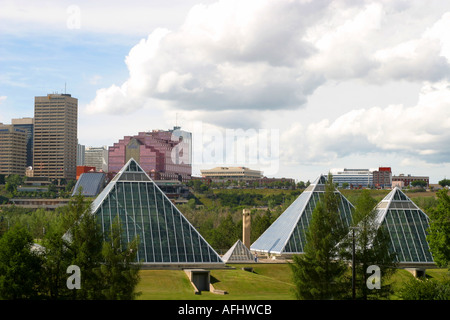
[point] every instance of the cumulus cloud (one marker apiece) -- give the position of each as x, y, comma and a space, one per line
228, 55
269, 55
418, 132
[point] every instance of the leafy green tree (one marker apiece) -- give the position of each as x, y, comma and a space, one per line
444, 182
226, 234
425, 289
76, 239
260, 224
419, 183
317, 274
20, 267
439, 231
372, 244
119, 270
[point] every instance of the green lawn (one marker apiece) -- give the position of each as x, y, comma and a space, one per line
266, 282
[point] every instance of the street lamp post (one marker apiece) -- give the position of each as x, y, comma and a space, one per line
353, 263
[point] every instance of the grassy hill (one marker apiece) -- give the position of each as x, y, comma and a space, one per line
270, 281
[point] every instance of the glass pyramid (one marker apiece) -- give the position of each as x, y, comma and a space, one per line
407, 225
238, 253
165, 235
287, 235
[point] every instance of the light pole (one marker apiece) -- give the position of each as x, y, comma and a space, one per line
353, 263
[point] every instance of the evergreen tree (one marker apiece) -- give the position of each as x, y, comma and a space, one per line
318, 274
372, 244
75, 239
107, 268
119, 270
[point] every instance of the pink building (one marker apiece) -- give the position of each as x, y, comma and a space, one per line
164, 155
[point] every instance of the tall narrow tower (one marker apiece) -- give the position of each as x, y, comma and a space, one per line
246, 220
55, 136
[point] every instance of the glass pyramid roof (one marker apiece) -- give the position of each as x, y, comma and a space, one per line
407, 225
287, 235
238, 253
165, 235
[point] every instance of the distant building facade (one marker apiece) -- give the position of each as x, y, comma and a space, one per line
354, 177
13, 150
382, 178
407, 179
55, 136
164, 155
80, 154
96, 157
231, 173
26, 124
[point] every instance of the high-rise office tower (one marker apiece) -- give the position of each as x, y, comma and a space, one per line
13, 150
55, 136
26, 124
96, 157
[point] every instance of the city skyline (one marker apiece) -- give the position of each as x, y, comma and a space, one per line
343, 84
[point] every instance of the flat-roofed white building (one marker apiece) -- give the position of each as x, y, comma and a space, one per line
354, 177
231, 173
96, 157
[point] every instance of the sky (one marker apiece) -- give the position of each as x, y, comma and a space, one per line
291, 87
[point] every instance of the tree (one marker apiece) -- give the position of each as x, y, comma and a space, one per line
439, 231
76, 239
226, 234
444, 182
20, 267
372, 244
425, 289
419, 183
120, 273
317, 273
260, 224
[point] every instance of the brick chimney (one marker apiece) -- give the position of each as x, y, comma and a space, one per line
246, 227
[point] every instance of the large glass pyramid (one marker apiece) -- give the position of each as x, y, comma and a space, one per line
165, 235
238, 253
287, 235
407, 225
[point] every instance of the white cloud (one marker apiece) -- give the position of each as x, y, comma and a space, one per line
420, 132
236, 55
